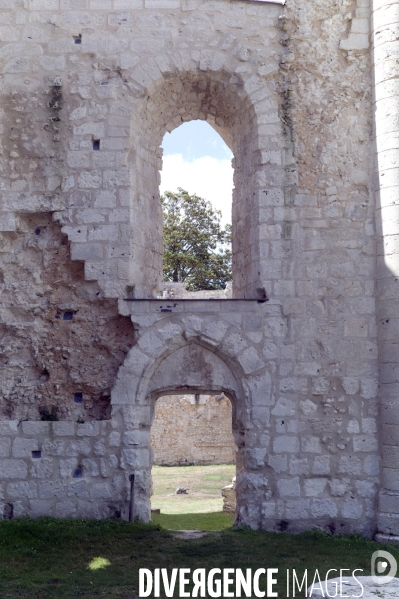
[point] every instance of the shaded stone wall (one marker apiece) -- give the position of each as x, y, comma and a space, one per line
193, 430
385, 21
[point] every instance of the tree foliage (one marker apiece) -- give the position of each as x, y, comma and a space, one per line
196, 248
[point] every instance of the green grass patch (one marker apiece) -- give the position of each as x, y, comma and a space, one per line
203, 483
205, 521
64, 559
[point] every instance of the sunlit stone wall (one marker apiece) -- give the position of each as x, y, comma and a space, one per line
88, 90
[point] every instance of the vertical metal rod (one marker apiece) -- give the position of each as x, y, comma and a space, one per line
131, 503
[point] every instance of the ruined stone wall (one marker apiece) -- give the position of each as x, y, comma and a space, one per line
88, 90
193, 429
326, 79
62, 469
61, 341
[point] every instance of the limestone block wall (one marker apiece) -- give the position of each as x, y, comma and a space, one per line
62, 469
193, 429
306, 456
88, 89
106, 74
385, 23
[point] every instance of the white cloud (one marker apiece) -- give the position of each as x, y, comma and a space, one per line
208, 177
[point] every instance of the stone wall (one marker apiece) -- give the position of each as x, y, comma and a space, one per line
192, 429
62, 469
88, 90
50, 363
293, 465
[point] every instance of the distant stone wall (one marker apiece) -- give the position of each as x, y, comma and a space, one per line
193, 429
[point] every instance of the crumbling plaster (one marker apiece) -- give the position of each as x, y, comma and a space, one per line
45, 359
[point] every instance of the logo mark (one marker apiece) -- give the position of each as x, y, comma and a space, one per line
380, 560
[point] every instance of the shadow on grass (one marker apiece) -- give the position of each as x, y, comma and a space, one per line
90, 559
201, 521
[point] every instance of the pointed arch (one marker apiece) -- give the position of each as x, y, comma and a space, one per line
185, 365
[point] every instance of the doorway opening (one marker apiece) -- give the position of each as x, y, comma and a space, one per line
196, 193
194, 462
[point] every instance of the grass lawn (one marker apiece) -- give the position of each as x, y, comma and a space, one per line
194, 521
58, 559
203, 484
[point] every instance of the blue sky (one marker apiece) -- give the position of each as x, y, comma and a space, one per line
197, 159
194, 140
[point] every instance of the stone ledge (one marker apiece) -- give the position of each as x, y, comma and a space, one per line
190, 306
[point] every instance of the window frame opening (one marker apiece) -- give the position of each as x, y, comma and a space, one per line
181, 194
178, 290
221, 100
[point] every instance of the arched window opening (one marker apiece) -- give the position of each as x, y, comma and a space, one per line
197, 221
220, 100
194, 457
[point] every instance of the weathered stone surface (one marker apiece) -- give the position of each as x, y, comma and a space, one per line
314, 230
49, 489
22, 448
324, 507
5, 447
42, 468
65, 509
100, 491
229, 498
81, 447
90, 467
89, 429
288, 487
13, 469
192, 430
315, 486
35, 428
22, 489
40, 507
53, 448
67, 467
63, 429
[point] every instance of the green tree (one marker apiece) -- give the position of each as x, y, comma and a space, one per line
196, 248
